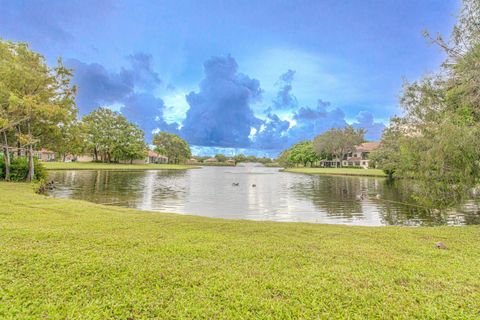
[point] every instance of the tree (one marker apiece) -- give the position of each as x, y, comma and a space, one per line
130, 142
338, 142
303, 153
387, 155
284, 159
38, 99
436, 140
221, 157
171, 145
111, 137
240, 158
71, 140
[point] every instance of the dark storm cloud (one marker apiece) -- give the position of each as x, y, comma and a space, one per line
312, 121
146, 110
272, 133
99, 87
220, 113
144, 75
373, 130
285, 99
130, 88
278, 134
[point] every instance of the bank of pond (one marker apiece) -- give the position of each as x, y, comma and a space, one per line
64, 258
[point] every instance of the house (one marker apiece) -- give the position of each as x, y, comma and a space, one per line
82, 158
44, 155
150, 157
230, 162
211, 160
192, 161
153, 157
359, 157
356, 158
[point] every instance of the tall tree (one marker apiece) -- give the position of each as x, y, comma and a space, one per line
303, 153
437, 143
111, 137
30, 90
171, 145
338, 142
221, 157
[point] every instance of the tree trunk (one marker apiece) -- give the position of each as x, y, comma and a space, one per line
19, 151
31, 169
95, 153
6, 156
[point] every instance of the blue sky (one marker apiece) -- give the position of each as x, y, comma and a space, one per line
250, 76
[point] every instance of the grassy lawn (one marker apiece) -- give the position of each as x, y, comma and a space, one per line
72, 259
339, 171
112, 166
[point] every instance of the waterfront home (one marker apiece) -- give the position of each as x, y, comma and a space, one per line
192, 161
41, 155
153, 157
44, 155
210, 160
356, 158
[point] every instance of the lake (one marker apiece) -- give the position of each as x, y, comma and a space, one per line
262, 194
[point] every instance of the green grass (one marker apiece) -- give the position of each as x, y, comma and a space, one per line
68, 259
340, 171
112, 166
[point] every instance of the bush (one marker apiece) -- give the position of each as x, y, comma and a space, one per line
2, 167
19, 169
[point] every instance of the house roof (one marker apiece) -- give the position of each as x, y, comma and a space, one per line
368, 146
46, 151
211, 160
152, 154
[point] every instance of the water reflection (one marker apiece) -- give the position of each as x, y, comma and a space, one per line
278, 196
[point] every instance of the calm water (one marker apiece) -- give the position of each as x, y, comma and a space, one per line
278, 196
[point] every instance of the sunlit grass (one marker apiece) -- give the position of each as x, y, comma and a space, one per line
340, 171
112, 166
68, 259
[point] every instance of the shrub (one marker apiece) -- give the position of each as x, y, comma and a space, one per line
2, 167
19, 169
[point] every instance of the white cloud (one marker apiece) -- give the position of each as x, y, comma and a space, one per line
176, 106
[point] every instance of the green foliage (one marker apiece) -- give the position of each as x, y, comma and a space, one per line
240, 158
175, 148
300, 153
338, 142
36, 101
436, 141
19, 169
2, 167
284, 159
221, 157
111, 137
303, 153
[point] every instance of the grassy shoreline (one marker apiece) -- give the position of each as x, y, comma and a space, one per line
339, 171
74, 259
113, 166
